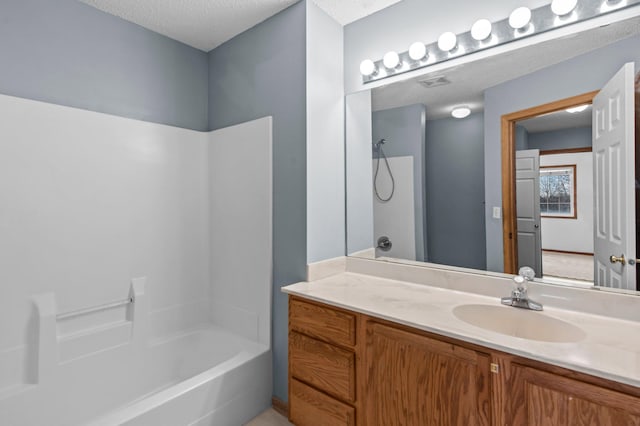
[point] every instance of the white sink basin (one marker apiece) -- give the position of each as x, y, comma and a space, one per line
518, 322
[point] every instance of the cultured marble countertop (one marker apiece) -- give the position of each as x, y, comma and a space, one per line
610, 348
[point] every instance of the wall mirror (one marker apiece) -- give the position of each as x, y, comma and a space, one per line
424, 186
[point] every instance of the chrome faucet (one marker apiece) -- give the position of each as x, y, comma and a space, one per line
519, 297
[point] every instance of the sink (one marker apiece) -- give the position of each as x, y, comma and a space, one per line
521, 323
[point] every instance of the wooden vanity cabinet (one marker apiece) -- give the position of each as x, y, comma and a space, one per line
539, 397
322, 364
351, 369
412, 379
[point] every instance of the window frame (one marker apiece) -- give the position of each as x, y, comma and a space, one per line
574, 193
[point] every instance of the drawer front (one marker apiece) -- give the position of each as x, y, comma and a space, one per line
328, 368
322, 322
308, 407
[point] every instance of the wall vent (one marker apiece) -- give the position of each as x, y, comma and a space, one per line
440, 80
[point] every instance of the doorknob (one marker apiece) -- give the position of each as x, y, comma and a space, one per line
621, 259
536, 226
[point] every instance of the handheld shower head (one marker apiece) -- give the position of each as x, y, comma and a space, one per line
376, 145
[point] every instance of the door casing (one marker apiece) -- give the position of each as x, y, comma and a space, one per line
508, 136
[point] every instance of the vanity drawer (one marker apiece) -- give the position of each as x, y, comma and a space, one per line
312, 408
328, 368
322, 322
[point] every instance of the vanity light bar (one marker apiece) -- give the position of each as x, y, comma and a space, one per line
542, 19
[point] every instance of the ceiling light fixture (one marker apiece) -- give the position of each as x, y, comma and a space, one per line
417, 51
447, 41
520, 18
460, 112
481, 29
367, 68
563, 7
576, 109
391, 60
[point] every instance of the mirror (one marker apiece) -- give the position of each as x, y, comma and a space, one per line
423, 186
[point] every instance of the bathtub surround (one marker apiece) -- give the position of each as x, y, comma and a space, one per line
99, 208
98, 62
403, 129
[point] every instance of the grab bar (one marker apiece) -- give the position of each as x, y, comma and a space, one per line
84, 311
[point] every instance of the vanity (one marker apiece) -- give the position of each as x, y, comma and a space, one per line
369, 350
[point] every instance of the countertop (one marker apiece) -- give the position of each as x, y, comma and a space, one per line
610, 348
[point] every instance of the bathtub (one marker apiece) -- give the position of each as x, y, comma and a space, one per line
206, 376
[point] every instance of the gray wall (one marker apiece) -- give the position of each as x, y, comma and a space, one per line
455, 191
403, 129
522, 138
65, 52
258, 73
577, 137
578, 75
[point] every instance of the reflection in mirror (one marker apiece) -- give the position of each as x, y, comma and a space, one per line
554, 181
440, 188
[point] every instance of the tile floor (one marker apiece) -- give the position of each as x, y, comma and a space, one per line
269, 417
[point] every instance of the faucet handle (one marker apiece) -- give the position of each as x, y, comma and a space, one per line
527, 273
519, 283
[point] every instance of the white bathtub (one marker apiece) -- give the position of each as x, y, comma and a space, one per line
207, 376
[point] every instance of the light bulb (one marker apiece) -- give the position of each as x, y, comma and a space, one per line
520, 18
563, 7
391, 60
481, 29
460, 112
447, 41
367, 67
417, 51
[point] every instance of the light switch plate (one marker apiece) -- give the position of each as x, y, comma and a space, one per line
497, 212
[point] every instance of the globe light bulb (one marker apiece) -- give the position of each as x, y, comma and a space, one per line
447, 41
481, 30
417, 51
367, 67
391, 60
520, 18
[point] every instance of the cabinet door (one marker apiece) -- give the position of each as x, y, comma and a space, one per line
416, 380
541, 398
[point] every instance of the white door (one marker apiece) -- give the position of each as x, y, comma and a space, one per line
614, 182
528, 209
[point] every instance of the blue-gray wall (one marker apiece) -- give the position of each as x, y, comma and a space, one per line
581, 74
67, 53
455, 191
258, 73
403, 129
576, 137
522, 138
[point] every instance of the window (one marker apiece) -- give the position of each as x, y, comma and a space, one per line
558, 191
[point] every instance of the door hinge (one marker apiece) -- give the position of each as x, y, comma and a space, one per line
495, 368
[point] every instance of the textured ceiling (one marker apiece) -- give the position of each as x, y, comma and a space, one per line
203, 24
557, 121
468, 82
347, 11
206, 24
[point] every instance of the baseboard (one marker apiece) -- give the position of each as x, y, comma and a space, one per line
280, 406
568, 252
